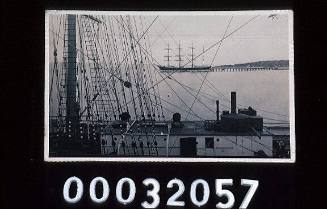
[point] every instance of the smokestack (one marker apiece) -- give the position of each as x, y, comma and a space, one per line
233, 102
217, 109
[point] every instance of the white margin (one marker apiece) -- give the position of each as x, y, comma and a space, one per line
292, 159
46, 89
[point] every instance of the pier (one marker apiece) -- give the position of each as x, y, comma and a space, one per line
240, 69
221, 69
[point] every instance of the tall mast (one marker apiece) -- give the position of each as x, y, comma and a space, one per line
192, 55
179, 56
71, 79
168, 55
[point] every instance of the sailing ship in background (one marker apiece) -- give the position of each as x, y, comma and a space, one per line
183, 68
104, 99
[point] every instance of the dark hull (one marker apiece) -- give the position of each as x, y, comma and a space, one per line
185, 69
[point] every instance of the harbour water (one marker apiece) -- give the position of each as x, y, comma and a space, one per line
265, 91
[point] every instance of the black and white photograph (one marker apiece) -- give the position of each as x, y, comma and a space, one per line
209, 86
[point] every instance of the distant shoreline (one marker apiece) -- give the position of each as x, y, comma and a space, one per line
274, 64
267, 64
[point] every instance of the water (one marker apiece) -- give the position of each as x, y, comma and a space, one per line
265, 91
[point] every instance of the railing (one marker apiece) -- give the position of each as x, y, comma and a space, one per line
108, 150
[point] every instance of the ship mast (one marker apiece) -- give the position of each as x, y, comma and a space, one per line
179, 55
168, 56
71, 79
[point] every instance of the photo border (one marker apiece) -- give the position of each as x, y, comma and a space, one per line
292, 158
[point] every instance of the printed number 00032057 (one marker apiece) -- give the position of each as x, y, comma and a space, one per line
153, 193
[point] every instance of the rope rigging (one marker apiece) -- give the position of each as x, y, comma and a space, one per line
155, 67
212, 46
229, 22
117, 74
120, 69
197, 93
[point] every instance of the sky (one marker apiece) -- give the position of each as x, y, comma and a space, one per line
262, 38
251, 37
